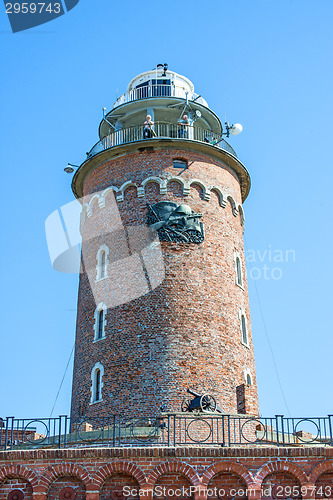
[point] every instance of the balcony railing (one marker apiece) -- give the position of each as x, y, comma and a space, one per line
159, 91
161, 130
171, 429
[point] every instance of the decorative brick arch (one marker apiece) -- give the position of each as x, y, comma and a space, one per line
153, 180
281, 466
202, 185
241, 214
174, 468
119, 468
64, 470
95, 200
111, 190
84, 211
179, 180
319, 469
227, 466
233, 206
220, 195
21, 472
124, 187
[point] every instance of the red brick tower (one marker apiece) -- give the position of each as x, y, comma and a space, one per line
143, 337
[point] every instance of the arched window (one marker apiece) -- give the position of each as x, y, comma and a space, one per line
238, 270
100, 325
243, 325
97, 383
244, 330
103, 259
102, 263
247, 377
100, 321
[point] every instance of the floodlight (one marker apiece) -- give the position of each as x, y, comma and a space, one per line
236, 129
69, 170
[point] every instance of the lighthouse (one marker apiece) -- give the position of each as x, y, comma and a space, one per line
163, 299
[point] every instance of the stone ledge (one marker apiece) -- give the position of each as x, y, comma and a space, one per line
181, 451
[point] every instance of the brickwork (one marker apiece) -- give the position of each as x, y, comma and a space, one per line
113, 486
15, 483
167, 485
221, 484
246, 399
184, 333
282, 479
62, 482
18, 434
100, 474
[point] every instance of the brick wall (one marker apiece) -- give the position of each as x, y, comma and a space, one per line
15, 483
184, 333
103, 474
67, 481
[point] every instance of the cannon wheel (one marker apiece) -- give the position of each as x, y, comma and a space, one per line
208, 403
194, 236
186, 404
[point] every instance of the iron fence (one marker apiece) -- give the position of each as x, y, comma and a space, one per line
194, 429
161, 130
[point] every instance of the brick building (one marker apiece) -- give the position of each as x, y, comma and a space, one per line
151, 340
163, 308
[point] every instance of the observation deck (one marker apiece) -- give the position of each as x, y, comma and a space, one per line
166, 96
161, 130
153, 91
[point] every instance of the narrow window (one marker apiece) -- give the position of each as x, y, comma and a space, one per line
102, 262
97, 385
239, 277
244, 330
100, 324
100, 321
248, 379
102, 265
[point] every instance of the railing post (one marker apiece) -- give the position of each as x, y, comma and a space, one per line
330, 423
59, 430
114, 431
7, 431
277, 429
168, 439
229, 440
65, 433
119, 430
223, 430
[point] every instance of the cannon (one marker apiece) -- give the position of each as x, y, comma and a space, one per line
201, 402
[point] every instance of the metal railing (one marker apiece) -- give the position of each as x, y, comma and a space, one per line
168, 90
195, 429
161, 130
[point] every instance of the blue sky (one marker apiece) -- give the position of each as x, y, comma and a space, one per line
265, 64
